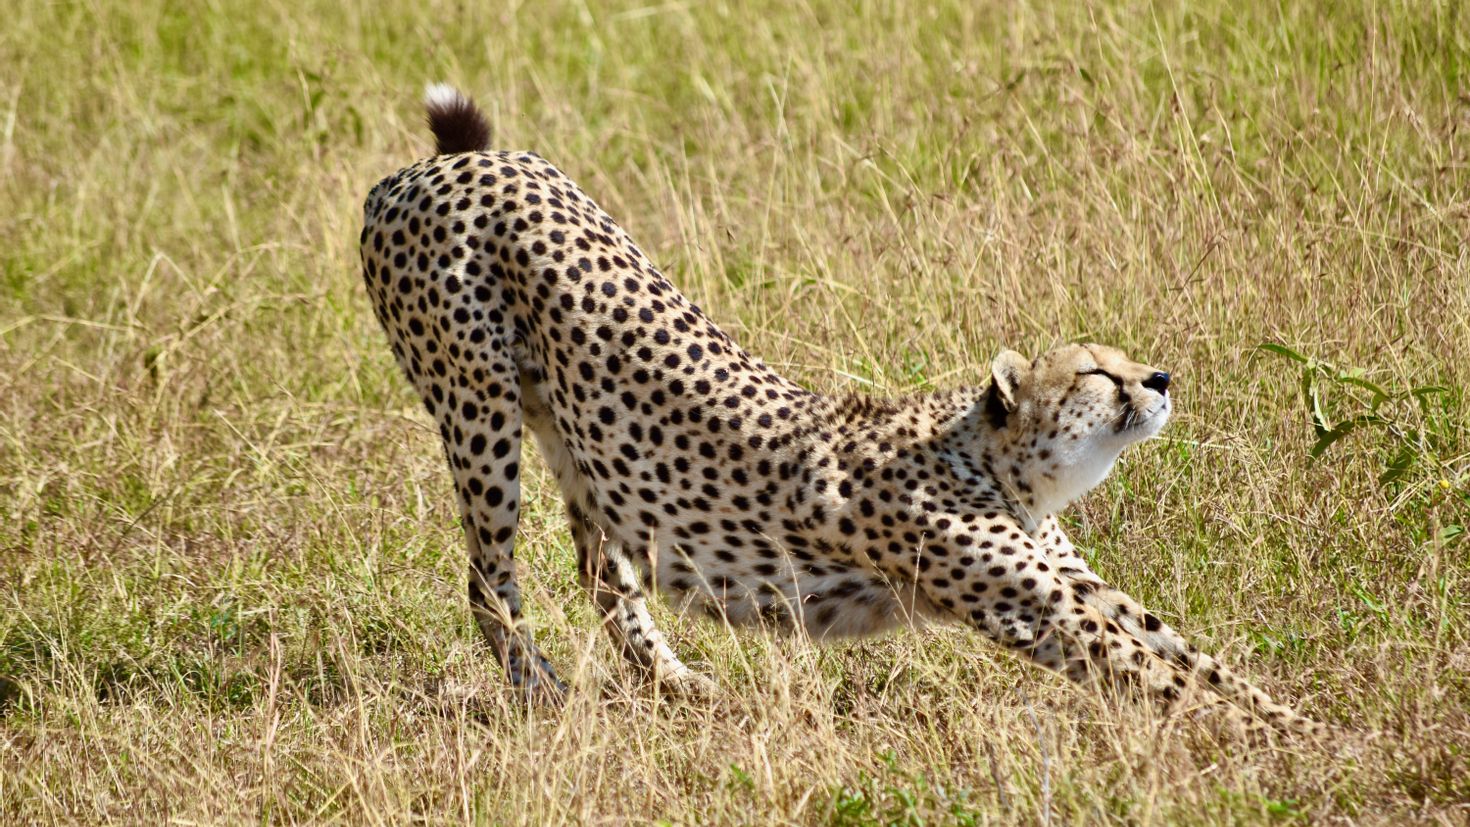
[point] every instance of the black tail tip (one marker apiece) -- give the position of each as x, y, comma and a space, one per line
458, 125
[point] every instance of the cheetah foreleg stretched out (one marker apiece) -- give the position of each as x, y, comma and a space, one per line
512, 301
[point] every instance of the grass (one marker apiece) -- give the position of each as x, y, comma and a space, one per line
229, 562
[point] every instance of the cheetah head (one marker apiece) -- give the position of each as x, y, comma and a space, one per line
1064, 418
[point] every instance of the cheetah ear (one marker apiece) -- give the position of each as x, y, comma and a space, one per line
1007, 371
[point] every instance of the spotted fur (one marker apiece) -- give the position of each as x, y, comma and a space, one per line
514, 303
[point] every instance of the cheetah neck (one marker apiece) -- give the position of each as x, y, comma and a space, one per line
1055, 488
1000, 457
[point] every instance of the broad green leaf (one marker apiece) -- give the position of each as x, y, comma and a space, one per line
1379, 394
1399, 465
1282, 350
1340, 430
1313, 400
1424, 393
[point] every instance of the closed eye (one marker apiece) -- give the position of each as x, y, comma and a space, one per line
1100, 372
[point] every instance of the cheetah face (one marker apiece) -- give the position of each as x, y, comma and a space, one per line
1070, 413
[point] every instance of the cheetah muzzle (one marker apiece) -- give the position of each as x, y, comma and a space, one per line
513, 302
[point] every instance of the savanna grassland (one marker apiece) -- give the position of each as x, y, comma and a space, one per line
231, 576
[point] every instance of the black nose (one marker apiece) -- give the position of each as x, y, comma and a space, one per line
1158, 382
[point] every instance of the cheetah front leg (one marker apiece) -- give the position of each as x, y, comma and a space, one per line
1162, 640
614, 579
1015, 597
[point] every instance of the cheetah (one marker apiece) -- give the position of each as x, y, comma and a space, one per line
513, 302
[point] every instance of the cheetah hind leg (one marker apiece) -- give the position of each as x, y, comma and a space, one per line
484, 455
610, 574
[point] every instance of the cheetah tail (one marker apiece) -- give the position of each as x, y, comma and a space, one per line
458, 125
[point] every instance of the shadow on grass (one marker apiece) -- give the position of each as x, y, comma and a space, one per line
30, 670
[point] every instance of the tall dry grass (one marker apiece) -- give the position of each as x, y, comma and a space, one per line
229, 563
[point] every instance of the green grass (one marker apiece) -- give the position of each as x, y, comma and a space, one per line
229, 560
